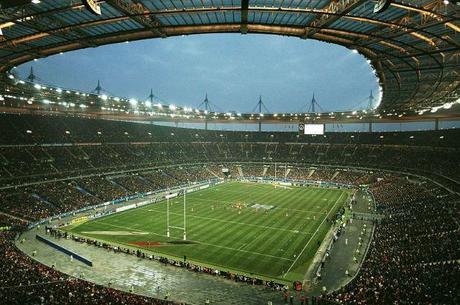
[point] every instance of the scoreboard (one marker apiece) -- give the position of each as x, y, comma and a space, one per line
311, 129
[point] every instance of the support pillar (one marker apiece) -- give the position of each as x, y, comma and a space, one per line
436, 124
370, 127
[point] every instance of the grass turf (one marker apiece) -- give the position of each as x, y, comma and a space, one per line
278, 243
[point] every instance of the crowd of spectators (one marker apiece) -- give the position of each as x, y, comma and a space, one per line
19, 201
50, 147
413, 258
160, 178
25, 281
64, 196
52, 165
323, 174
101, 187
77, 192
42, 200
300, 173
132, 183
353, 177
252, 170
21, 164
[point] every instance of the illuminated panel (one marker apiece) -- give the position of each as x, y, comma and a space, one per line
311, 129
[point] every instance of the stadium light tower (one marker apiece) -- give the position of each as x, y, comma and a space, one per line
207, 108
151, 97
31, 78
260, 104
370, 105
313, 105
101, 90
98, 88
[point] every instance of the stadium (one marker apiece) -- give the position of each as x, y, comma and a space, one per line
107, 199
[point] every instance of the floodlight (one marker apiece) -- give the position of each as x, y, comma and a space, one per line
133, 102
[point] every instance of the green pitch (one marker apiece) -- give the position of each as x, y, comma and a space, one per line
225, 230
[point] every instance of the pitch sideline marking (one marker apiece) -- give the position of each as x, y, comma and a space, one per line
203, 243
311, 238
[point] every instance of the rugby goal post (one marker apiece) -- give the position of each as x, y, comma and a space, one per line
168, 224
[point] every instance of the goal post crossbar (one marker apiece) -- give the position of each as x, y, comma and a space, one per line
179, 228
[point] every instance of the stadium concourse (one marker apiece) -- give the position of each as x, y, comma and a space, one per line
52, 165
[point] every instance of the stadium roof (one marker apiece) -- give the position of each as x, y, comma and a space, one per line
414, 46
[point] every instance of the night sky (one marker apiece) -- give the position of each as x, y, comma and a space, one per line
233, 69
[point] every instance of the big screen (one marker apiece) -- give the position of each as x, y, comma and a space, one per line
312, 129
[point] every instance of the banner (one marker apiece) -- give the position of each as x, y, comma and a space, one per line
79, 220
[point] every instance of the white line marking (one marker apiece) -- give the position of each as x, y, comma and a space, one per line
256, 253
242, 246
253, 201
311, 238
251, 242
241, 223
203, 243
